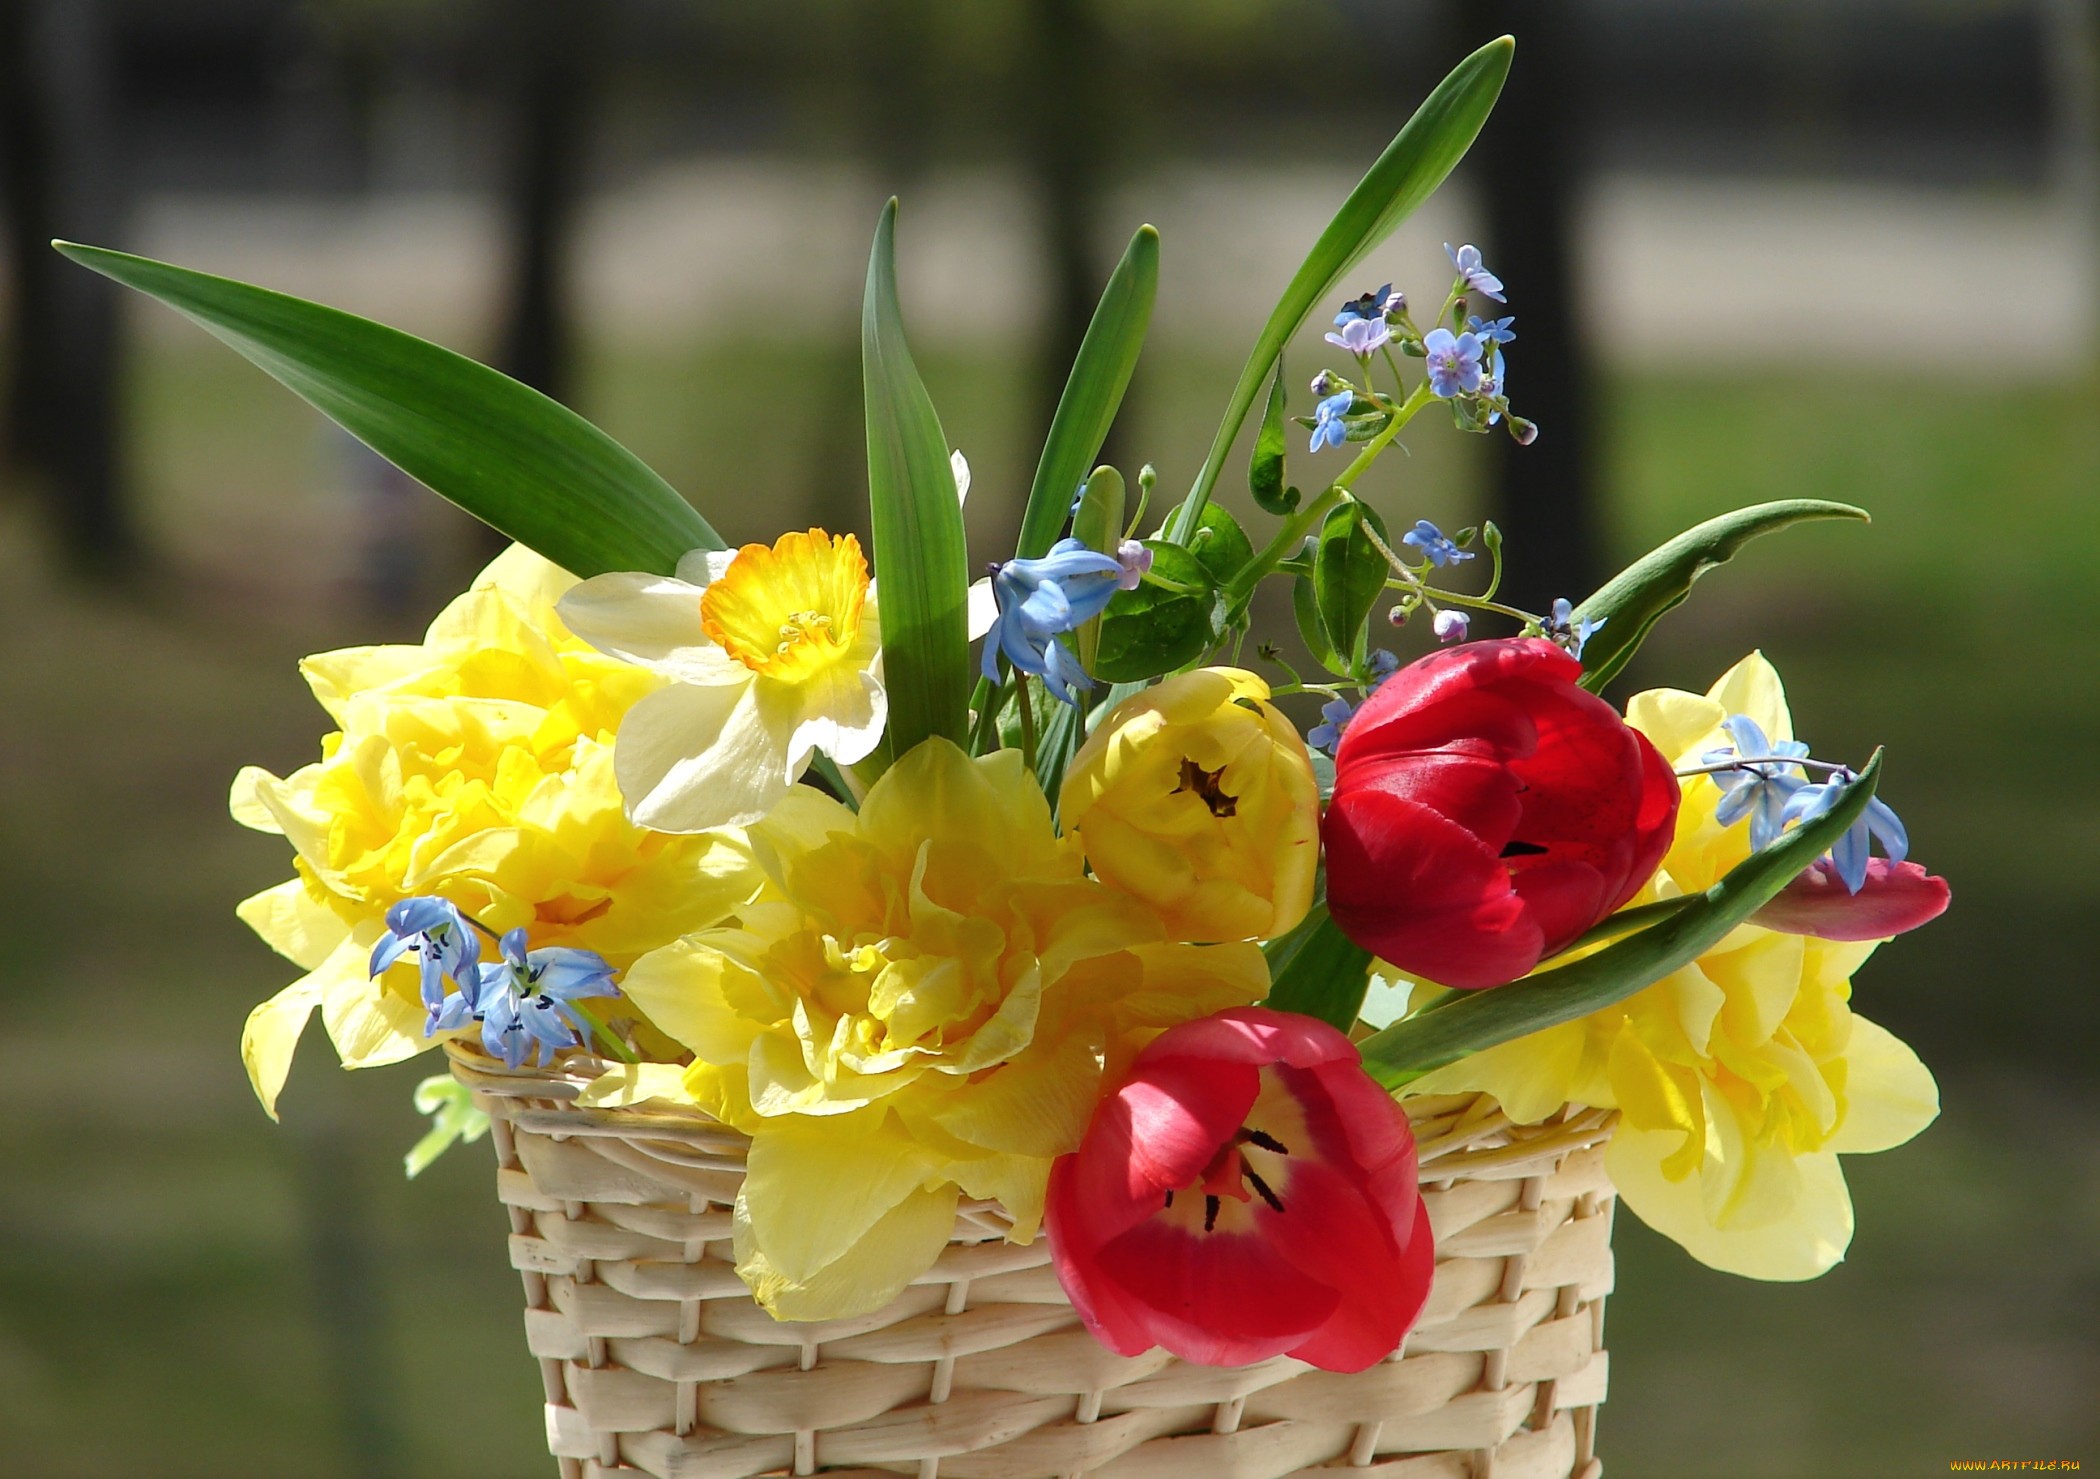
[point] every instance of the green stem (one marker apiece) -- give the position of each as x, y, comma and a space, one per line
1026, 702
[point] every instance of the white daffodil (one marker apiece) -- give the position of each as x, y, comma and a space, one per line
774, 652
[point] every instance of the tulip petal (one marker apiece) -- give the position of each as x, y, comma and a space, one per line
1222, 1299
1369, 1324
1896, 897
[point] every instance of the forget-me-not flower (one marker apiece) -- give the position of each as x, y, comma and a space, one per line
1135, 560
1450, 626
1329, 430
445, 945
1435, 546
523, 999
1473, 273
1334, 718
1362, 337
1563, 628
1849, 852
1454, 362
1382, 664
1041, 599
1495, 330
1371, 305
1758, 791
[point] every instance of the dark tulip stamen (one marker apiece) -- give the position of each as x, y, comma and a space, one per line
1265, 1140
1261, 1189
1210, 1213
1515, 849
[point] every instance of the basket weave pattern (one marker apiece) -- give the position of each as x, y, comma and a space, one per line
655, 1360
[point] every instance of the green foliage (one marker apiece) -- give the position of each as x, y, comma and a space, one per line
1426, 150
1475, 1020
1220, 545
1100, 374
518, 461
1318, 970
1635, 599
1305, 606
1167, 621
1348, 574
453, 1119
921, 565
1265, 468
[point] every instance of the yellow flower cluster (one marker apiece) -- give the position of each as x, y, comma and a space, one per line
477, 765
1741, 1078
924, 1001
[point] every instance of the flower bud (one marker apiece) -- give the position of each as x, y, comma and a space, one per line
1450, 626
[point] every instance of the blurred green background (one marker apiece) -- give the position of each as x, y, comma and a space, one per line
1778, 250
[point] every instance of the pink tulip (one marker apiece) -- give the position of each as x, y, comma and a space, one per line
1896, 897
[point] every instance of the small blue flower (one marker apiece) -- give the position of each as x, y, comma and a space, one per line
1362, 337
1454, 362
1382, 665
1371, 305
1495, 383
445, 945
1877, 822
1758, 791
1334, 718
1496, 330
523, 999
1573, 635
1041, 599
1473, 274
1433, 545
1329, 430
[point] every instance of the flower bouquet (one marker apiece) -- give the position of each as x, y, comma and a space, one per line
1038, 1056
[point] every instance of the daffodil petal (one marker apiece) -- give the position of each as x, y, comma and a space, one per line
635, 1083
959, 465
690, 758
652, 621
813, 1191
294, 923
902, 1245
1806, 1242
271, 1036
1889, 1095
1752, 687
368, 1022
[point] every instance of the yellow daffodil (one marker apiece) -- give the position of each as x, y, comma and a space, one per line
1198, 797
477, 765
922, 1003
1741, 1078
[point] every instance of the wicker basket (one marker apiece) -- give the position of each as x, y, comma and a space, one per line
656, 1361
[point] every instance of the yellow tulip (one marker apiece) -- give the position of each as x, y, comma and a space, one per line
922, 1003
477, 765
1741, 1078
1197, 796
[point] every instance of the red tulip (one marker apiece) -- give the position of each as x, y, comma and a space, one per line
1248, 1192
1487, 812
1896, 897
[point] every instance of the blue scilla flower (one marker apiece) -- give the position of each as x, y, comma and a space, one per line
522, 999
1494, 330
1473, 273
1757, 791
1573, 635
1433, 544
1371, 305
1334, 718
1849, 853
1039, 600
444, 943
1454, 362
1329, 429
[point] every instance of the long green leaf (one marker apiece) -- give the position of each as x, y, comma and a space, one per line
1426, 149
1636, 598
1480, 1019
921, 565
500, 450
1100, 374
1318, 970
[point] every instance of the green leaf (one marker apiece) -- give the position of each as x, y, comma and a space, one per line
514, 459
1480, 1019
1155, 629
453, 1118
1265, 469
1306, 607
1426, 149
921, 565
1348, 573
1100, 374
1098, 524
1636, 598
1318, 970
1220, 544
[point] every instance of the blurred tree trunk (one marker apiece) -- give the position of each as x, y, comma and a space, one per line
61, 176
1531, 162
1064, 144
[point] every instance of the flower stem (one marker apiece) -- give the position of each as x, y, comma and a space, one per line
1026, 704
